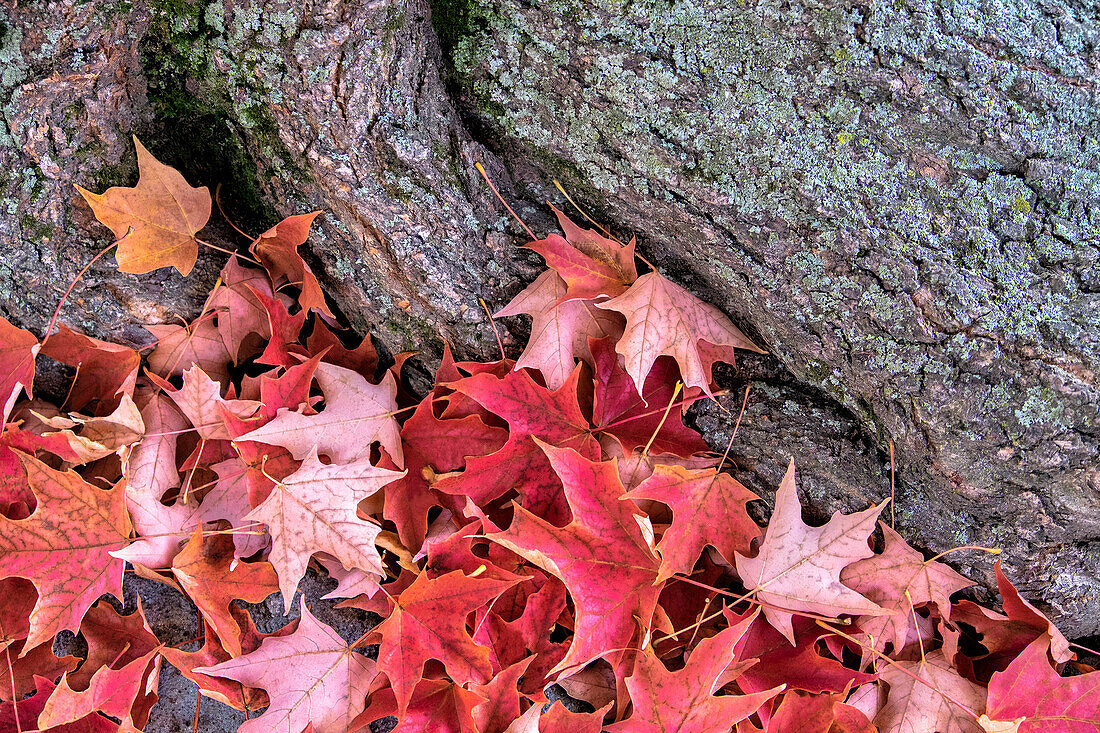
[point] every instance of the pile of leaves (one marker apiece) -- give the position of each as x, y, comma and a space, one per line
547, 520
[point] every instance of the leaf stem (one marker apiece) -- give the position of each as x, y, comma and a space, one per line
737, 425
72, 285
892, 663
685, 401
585, 214
991, 550
218, 201
481, 170
246, 258
661, 424
14, 696
493, 323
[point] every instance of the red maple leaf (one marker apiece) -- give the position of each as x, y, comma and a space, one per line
708, 508
800, 712
104, 371
356, 414
17, 351
23, 715
602, 556
119, 678
1031, 694
898, 579
178, 348
439, 706
532, 411
229, 692
558, 719
800, 666
63, 547
238, 307
277, 249
684, 701
428, 621
313, 510
284, 328
560, 329
212, 580
637, 418
592, 265
928, 694
438, 445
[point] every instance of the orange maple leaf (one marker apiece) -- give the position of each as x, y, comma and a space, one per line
156, 220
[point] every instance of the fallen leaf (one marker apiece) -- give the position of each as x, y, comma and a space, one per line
664, 318
708, 508
277, 249
356, 414
800, 666
156, 221
602, 556
800, 712
181, 347
212, 580
636, 419
200, 400
63, 547
17, 351
124, 687
1031, 690
238, 307
684, 701
798, 568
24, 714
428, 621
104, 373
899, 579
560, 330
532, 411
931, 705
591, 265
313, 510
311, 676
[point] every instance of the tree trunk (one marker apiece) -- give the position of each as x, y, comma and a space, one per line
900, 201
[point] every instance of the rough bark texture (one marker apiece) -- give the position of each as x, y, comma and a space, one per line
899, 200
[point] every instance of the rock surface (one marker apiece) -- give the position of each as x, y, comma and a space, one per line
899, 201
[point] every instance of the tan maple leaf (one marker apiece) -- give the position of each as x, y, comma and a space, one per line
933, 704
559, 329
314, 680
356, 414
898, 579
155, 221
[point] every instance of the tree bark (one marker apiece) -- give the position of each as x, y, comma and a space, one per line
898, 200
